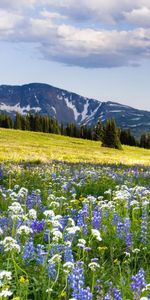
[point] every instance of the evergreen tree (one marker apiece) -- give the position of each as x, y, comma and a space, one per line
127, 138
111, 137
98, 131
17, 123
145, 140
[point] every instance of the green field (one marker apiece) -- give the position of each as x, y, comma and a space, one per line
26, 146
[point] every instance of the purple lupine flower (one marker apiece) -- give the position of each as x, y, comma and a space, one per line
82, 214
40, 254
37, 225
56, 249
138, 282
120, 230
116, 294
68, 255
28, 251
34, 200
144, 226
128, 236
52, 273
116, 218
96, 217
76, 282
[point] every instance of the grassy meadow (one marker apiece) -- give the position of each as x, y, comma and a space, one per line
27, 146
73, 215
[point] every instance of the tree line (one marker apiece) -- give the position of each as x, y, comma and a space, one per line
108, 133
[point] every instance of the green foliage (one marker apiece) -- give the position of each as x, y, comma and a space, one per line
127, 138
145, 140
111, 137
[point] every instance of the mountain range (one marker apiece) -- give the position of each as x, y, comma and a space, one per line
68, 107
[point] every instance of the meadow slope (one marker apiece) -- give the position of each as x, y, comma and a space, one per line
27, 146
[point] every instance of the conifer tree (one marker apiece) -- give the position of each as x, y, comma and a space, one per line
111, 135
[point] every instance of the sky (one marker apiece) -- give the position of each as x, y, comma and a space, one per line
99, 49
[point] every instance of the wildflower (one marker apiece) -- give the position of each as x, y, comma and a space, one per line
73, 230
32, 214
55, 259
96, 234
68, 267
23, 280
10, 244
57, 235
5, 293
93, 266
24, 230
144, 226
15, 210
103, 248
1, 231
5, 275
138, 282
49, 213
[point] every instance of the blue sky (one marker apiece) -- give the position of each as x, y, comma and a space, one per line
99, 49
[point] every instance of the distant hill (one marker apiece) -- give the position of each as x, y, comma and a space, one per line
68, 107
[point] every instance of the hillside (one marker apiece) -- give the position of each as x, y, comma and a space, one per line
68, 107
27, 146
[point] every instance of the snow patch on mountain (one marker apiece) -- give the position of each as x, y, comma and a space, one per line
71, 106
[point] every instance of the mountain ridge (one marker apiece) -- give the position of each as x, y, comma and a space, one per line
70, 107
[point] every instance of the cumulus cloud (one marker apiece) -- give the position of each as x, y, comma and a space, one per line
85, 35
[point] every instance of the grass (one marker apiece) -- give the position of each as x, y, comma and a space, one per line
18, 146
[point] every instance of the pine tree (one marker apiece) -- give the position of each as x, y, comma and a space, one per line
98, 131
17, 123
111, 137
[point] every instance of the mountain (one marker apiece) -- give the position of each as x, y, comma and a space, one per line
69, 107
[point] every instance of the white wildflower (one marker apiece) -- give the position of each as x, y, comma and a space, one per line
49, 213
71, 222
68, 267
56, 235
54, 204
15, 210
5, 275
23, 229
82, 241
136, 250
73, 230
55, 259
96, 234
32, 214
10, 244
23, 192
49, 290
5, 293
93, 266
1, 231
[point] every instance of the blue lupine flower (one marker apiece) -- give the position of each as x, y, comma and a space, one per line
76, 282
96, 217
37, 225
116, 294
128, 236
120, 230
52, 273
138, 282
144, 226
40, 254
28, 251
68, 255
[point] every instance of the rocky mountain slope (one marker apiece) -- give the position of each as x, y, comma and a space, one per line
70, 107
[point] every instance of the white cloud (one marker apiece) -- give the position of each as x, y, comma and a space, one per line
85, 35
